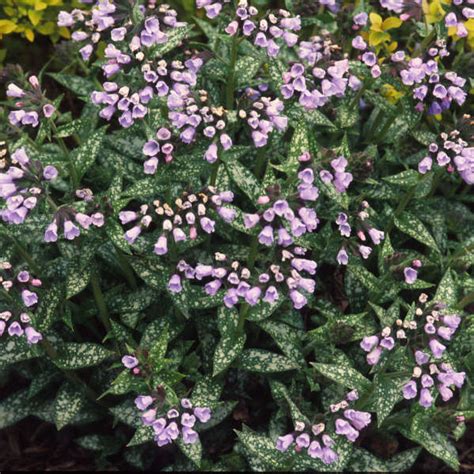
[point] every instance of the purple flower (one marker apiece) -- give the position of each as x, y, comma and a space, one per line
174, 285
32, 336
15, 329
426, 400
189, 435
303, 440
251, 220
161, 246
421, 357
188, 420
142, 402
207, 225
342, 257
410, 275
298, 299
437, 348
252, 296
266, 236
344, 428
132, 234
271, 295
374, 356
50, 173
359, 419
369, 342
51, 233
203, 414
410, 390
284, 442
315, 450
129, 362
71, 231
29, 298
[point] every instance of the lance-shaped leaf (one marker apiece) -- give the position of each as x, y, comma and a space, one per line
259, 360
229, 348
67, 405
77, 355
363, 461
85, 156
413, 227
192, 451
344, 375
243, 178
447, 291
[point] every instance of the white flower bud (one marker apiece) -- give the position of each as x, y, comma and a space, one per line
167, 225
417, 372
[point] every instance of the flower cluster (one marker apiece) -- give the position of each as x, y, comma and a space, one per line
175, 423
433, 89
265, 115
189, 214
266, 33
363, 226
460, 19
432, 324
22, 185
319, 76
310, 437
132, 106
65, 217
453, 152
242, 285
17, 302
30, 103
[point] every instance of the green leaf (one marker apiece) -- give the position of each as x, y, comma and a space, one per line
244, 179
363, 461
263, 449
423, 432
143, 434
67, 405
81, 86
344, 375
387, 393
263, 310
229, 348
279, 391
15, 350
75, 355
287, 338
369, 280
299, 144
246, 68
45, 314
85, 156
258, 360
192, 451
16, 407
175, 37
413, 227
447, 291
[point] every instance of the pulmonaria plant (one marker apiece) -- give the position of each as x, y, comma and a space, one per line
317, 438
209, 220
426, 337
22, 185
18, 302
176, 423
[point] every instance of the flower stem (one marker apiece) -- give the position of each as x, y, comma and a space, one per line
67, 155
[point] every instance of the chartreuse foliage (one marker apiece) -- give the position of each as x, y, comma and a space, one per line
151, 221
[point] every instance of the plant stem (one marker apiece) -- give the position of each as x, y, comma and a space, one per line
126, 268
468, 299
244, 309
401, 207
229, 98
72, 168
25, 255
100, 301
259, 166
71, 376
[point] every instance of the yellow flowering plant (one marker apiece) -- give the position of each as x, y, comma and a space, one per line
31, 17
378, 35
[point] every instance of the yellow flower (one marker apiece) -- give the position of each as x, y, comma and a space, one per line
469, 25
378, 28
433, 10
391, 94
